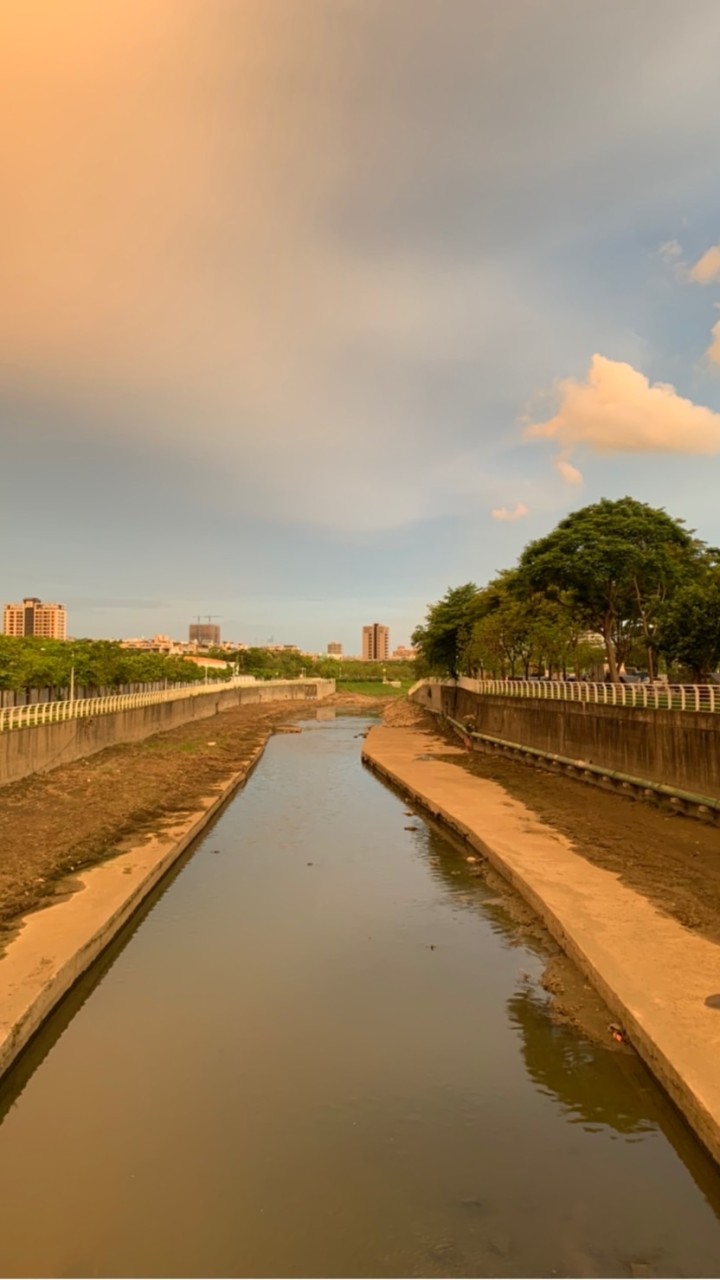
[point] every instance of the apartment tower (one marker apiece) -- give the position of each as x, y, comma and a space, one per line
375, 642
204, 634
34, 618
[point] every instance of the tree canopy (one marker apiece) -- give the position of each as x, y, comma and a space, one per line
447, 630
619, 561
613, 581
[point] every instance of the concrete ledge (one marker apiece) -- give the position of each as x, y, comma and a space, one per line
56, 945
654, 975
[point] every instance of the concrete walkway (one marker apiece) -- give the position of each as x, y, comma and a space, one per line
654, 974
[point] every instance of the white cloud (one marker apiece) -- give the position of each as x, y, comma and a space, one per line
707, 268
503, 513
569, 473
617, 410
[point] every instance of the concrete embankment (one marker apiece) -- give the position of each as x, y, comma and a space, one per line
44, 747
676, 749
656, 976
56, 945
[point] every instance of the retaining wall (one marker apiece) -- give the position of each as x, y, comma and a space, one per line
678, 748
43, 747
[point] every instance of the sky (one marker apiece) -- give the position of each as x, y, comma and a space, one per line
311, 309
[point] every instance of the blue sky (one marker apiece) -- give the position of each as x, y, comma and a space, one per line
288, 283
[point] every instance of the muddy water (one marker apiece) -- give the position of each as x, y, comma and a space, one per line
323, 1051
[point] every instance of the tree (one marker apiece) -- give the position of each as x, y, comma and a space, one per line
689, 627
447, 630
618, 562
518, 630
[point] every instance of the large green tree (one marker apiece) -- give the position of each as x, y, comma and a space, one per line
618, 562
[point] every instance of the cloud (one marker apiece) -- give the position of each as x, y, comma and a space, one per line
503, 513
617, 410
670, 251
569, 473
713, 351
707, 268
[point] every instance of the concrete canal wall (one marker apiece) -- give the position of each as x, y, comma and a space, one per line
675, 748
43, 747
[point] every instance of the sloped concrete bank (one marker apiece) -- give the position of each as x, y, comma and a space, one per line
661, 981
57, 944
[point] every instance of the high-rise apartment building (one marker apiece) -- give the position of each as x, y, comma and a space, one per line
34, 618
375, 642
205, 634
334, 649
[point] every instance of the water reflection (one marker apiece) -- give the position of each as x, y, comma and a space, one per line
587, 1081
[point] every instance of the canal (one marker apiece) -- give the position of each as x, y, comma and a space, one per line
323, 1050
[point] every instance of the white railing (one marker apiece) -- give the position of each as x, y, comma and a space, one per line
36, 713
658, 697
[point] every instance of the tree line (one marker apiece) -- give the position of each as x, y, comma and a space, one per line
618, 583
34, 663
288, 664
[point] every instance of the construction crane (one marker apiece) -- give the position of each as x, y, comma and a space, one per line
208, 617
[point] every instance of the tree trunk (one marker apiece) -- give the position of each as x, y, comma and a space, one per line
610, 650
646, 631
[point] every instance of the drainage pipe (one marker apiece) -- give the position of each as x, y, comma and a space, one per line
660, 788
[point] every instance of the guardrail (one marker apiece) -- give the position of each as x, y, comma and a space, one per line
50, 712
656, 697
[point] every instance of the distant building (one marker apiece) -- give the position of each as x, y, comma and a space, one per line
375, 643
211, 663
205, 634
403, 654
158, 644
334, 649
34, 618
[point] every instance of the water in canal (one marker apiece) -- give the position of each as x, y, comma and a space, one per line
318, 1054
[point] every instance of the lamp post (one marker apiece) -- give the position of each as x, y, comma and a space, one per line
72, 675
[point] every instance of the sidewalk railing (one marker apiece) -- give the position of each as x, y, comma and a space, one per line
656, 697
36, 713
